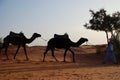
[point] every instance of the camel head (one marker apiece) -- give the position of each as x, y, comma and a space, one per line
81, 40
36, 35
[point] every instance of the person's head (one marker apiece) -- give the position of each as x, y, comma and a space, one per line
109, 41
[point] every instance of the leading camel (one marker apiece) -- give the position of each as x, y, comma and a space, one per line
61, 42
18, 39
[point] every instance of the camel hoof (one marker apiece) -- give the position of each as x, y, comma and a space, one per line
43, 60
14, 58
64, 61
27, 59
7, 59
57, 60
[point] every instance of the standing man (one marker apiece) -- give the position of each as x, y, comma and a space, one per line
110, 53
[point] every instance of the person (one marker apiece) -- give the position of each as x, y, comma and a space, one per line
110, 53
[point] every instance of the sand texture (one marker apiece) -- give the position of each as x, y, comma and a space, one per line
88, 65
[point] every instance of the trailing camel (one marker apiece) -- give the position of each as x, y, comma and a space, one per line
62, 42
18, 39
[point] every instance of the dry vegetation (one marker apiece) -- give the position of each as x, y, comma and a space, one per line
88, 65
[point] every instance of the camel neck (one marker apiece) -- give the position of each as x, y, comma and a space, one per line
76, 44
30, 40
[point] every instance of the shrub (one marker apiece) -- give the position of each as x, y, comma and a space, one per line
116, 45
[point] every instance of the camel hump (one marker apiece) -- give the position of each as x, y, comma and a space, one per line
13, 34
61, 36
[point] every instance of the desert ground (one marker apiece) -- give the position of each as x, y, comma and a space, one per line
88, 65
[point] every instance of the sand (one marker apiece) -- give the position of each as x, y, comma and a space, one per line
88, 65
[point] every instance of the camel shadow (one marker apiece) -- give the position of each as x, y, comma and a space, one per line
82, 58
90, 60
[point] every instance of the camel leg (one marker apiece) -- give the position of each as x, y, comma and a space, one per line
72, 55
25, 52
6, 48
45, 54
0, 50
65, 54
53, 54
16, 51
6, 52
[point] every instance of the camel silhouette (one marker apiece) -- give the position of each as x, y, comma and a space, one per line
18, 39
62, 42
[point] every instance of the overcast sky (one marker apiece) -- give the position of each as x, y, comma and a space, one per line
48, 17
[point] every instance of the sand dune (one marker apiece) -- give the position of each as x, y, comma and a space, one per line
88, 65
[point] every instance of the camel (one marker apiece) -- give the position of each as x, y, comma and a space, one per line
18, 39
65, 43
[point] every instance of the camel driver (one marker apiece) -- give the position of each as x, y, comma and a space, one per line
110, 53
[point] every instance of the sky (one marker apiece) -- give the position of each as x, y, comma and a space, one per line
49, 17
